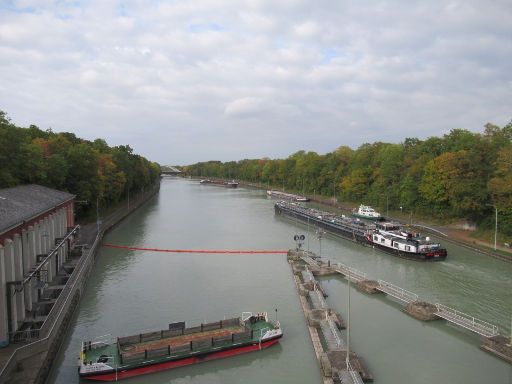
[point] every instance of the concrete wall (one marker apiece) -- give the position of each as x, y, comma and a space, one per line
18, 256
38, 355
4, 330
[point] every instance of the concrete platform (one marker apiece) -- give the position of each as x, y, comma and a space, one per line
337, 361
499, 346
368, 286
422, 310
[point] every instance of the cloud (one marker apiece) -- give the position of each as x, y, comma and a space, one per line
229, 80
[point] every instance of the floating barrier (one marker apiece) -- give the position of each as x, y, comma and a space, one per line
196, 250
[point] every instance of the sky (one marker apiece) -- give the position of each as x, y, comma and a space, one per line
188, 81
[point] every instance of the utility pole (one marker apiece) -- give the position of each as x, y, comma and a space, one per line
348, 325
496, 224
97, 214
496, 228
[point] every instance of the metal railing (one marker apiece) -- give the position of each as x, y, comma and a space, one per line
309, 275
50, 327
321, 299
466, 321
49, 332
334, 331
397, 292
350, 273
354, 375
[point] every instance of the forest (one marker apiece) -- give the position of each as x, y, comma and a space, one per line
462, 175
90, 170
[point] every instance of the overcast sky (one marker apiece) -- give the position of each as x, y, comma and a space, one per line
188, 81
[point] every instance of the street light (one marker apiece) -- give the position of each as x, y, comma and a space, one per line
401, 209
496, 225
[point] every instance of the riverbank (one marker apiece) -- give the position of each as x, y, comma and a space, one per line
31, 362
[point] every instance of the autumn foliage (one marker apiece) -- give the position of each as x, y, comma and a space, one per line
460, 175
89, 170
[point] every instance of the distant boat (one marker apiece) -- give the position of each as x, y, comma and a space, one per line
366, 212
231, 184
107, 359
286, 196
205, 181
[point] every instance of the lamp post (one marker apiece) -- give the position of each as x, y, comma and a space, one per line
348, 325
496, 224
97, 214
496, 228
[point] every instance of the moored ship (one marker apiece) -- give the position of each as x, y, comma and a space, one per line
107, 359
286, 196
339, 225
366, 212
227, 184
231, 184
389, 237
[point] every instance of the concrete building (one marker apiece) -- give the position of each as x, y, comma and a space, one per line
34, 225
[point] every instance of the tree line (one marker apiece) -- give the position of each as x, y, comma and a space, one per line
90, 170
459, 175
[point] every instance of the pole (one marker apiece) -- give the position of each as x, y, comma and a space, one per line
97, 215
496, 228
387, 206
348, 324
308, 233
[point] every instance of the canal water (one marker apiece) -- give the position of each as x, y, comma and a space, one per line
134, 291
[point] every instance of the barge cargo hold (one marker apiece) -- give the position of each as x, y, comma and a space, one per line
389, 237
286, 196
107, 359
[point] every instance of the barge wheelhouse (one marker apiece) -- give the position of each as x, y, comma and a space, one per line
392, 238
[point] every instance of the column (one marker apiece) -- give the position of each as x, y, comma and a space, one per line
45, 236
39, 233
4, 321
27, 266
18, 276
64, 230
9, 276
51, 242
25, 252
32, 246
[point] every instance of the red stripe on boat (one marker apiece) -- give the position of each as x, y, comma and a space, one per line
179, 363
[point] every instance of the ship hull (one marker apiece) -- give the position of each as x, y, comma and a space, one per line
431, 256
181, 362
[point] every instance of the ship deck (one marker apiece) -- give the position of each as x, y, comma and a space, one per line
176, 341
140, 351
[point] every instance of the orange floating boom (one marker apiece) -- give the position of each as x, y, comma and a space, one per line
194, 250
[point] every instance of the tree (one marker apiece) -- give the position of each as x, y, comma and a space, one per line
452, 180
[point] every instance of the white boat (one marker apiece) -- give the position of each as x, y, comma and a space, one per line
366, 212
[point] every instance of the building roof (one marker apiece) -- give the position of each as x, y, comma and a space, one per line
26, 201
